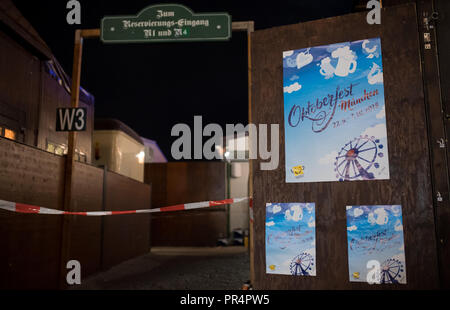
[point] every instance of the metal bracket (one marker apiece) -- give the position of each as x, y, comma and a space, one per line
441, 143
439, 197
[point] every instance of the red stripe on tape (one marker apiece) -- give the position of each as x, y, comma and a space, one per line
172, 208
123, 212
75, 213
220, 202
24, 208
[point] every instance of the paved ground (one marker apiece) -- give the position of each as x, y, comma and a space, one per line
224, 268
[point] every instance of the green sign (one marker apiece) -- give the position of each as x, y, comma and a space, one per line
166, 23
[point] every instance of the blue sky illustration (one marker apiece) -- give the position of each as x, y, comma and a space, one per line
374, 233
313, 73
290, 231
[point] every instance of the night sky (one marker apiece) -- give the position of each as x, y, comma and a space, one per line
151, 87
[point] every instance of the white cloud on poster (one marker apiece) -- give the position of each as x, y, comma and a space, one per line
396, 210
287, 53
328, 158
276, 209
303, 59
271, 223
375, 75
346, 61
297, 214
368, 50
382, 113
291, 88
379, 216
358, 212
309, 207
348, 207
294, 77
326, 69
370, 56
398, 226
377, 131
333, 47
352, 228
311, 222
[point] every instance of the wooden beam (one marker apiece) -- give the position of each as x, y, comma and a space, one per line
90, 33
243, 26
250, 29
69, 165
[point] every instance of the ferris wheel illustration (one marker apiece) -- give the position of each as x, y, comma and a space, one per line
301, 264
391, 271
356, 158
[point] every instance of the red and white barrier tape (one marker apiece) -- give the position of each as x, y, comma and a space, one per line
250, 204
24, 208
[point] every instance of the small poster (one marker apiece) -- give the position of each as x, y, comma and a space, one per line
291, 239
376, 251
334, 113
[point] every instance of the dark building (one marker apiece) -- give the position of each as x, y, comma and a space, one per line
32, 86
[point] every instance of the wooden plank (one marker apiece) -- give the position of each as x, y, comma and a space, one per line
125, 236
408, 151
182, 182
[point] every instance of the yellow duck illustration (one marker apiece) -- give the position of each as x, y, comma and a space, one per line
272, 267
298, 170
356, 275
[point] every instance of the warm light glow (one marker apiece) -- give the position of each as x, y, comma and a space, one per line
141, 157
10, 134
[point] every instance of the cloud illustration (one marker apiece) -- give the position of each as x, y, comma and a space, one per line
377, 131
347, 61
396, 210
398, 226
326, 69
375, 75
291, 88
287, 53
271, 223
370, 56
297, 214
311, 222
303, 59
368, 50
328, 158
358, 212
379, 216
276, 209
352, 228
294, 77
348, 207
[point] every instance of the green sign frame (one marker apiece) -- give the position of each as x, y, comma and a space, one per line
166, 23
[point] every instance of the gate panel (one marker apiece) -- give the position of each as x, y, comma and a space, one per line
409, 162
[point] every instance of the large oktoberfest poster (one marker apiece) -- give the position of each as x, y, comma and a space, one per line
334, 113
